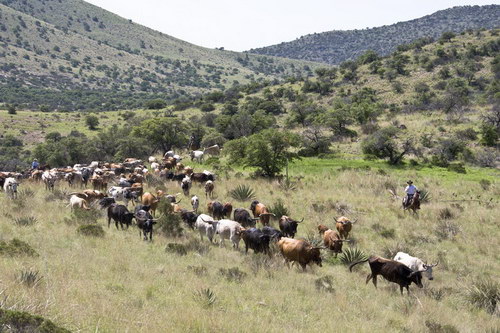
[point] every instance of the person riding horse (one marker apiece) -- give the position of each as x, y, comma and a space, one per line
410, 191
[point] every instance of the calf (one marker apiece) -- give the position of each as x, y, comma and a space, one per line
215, 208
49, 179
196, 155
206, 225
288, 226
392, 271
242, 216
186, 185
331, 239
256, 240
78, 202
300, 251
195, 202
119, 214
227, 209
209, 188
10, 187
344, 226
415, 264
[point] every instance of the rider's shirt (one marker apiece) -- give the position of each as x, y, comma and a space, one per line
411, 189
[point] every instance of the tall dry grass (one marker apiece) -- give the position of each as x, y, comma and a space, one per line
120, 283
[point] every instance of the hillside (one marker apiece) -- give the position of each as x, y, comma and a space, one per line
73, 45
334, 47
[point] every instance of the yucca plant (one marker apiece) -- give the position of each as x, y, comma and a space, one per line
287, 185
242, 193
25, 221
279, 209
425, 196
30, 278
351, 255
205, 296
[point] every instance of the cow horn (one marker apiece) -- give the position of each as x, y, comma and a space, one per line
300, 221
266, 214
178, 201
320, 247
355, 220
345, 240
255, 219
433, 265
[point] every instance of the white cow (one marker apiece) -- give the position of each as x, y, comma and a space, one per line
155, 165
186, 184
197, 155
169, 153
195, 202
206, 225
228, 229
415, 264
10, 187
77, 202
151, 159
212, 150
122, 194
49, 179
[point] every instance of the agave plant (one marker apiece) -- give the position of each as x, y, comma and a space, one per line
242, 193
425, 196
30, 278
351, 255
205, 297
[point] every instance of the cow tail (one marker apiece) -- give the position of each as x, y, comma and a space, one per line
354, 264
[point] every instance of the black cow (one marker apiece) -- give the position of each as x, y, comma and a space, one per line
139, 207
86, 174
256, 240
288, 226
202, 177
178, 177
216, 209
145, 223
189, 217
392, 271
275, 234
242, 216
106, 202
119, 214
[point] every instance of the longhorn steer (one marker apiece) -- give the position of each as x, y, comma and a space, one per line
242, 216
392, 271
331, 239
300, 251
260, 210
344, 226
206, 225
288, 226
119, 214
256, 240
415, 264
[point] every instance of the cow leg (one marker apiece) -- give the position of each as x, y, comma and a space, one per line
368, 278
374, 280
303, 266
109, 221
401, 289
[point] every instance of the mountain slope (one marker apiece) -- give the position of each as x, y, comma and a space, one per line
72, 44
334, 47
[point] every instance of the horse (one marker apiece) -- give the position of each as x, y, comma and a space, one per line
414, 204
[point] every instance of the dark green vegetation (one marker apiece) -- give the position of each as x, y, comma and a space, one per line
17, 321
334, 47
433, 104
56, 54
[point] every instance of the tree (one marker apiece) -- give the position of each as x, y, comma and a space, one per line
156, 104
162, 133
92, 122
11, 109
268, 151
385, 143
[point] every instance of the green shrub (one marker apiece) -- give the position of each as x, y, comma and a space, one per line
233, 274
325, 284
206, 297
16, 247
457, 167
169, 224
18, 321
279, 209
93, 230
485, 184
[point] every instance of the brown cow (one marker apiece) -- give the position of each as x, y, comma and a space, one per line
99, 183
209, 188
298, 250
227, 209
188, 170
152, 200
392, 271
331, 239
260, 210
344, 226
137, 188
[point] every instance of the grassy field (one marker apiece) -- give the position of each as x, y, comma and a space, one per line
120, 283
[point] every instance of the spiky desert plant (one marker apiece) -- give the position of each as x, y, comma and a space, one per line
30, 278
242, 193
425, 196
25, 221
279, 209
205, 296
350, 255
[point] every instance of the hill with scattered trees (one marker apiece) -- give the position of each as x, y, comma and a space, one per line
52, 52
334, 47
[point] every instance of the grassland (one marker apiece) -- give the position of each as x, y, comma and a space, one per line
121, 283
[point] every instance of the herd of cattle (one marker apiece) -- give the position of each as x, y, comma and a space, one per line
127, 181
